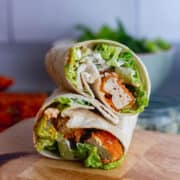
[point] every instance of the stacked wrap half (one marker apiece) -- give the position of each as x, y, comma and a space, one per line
96, 124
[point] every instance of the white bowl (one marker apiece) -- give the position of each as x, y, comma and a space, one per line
159, 66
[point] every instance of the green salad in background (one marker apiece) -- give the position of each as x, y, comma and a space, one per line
120, 34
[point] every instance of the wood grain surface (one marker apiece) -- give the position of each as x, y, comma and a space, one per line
152, 156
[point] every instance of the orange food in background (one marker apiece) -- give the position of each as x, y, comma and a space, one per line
18, 106
5, 82
15, 107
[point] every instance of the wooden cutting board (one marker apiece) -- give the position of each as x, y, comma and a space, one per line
151, 156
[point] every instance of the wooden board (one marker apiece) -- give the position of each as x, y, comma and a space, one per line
151, 156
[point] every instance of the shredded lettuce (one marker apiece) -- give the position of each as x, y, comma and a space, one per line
76, 54
113, 164
64, 100
63, 103
82, 150
43, 143
109, 53
45, 129
93, 160
89, 153
106, 51
142, 101
141, 98
133, 77
123, 62
71, 67
46, 134
128, 75
80, 101
71, 74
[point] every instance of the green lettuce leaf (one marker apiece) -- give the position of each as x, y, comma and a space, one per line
46, 134
89, 153
82, 150
81, 101
133, 78
113, 164
71, 74
63, 103
123, 62
128, 69
65, 100
120, 34
142, 100
93, 160
43, 143
76, 55
71, 67
45, 129
128, 75
109, 53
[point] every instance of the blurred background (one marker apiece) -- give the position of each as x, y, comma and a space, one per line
28, 29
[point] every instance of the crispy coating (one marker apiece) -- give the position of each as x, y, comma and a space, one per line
111, 143
108, 95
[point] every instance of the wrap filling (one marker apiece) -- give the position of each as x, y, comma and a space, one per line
97, 148
114, 70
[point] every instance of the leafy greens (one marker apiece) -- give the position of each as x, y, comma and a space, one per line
138, 45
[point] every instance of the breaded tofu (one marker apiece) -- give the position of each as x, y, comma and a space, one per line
115, 92
109, 147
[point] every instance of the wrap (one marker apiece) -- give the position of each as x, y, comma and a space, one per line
75, 127
102, 69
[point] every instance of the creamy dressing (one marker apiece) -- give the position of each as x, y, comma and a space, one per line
96, 59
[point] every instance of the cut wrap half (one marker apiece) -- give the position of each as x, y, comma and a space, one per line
74, 127
104, 69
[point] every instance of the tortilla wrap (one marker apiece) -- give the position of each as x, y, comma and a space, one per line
87, 116
87, 76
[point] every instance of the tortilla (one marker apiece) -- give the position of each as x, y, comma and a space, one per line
84, 117
88, 78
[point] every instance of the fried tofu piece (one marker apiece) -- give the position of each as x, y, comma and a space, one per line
115, 92
109, 147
